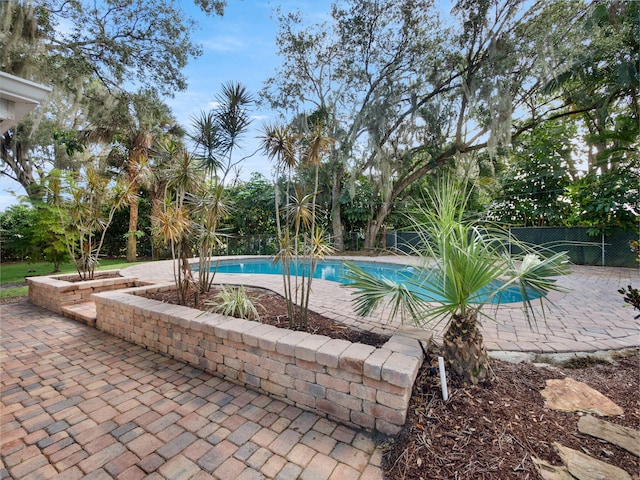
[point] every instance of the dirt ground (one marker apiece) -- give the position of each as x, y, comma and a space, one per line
490, 431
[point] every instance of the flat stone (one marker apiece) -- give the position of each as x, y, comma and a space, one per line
584, 467
552, 472
569, 395
623, 437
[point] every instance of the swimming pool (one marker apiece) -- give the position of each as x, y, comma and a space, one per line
334, 270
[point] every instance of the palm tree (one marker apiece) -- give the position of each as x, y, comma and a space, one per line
279, 144
464, 268
218, 132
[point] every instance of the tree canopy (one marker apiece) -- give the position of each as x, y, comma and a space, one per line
93, 54
408, 89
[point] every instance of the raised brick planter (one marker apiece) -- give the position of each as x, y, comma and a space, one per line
57, 291
353, 383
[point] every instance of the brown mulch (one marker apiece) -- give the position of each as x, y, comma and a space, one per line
492, 431
486, 432
272, 309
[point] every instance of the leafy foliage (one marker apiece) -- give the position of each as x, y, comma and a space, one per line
607, 200
302, 240
461, 266
234, 302
85, 204
631, 297
253, 207
534, 184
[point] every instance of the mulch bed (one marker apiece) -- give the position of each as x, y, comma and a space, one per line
272, 309
492, 431
485, 432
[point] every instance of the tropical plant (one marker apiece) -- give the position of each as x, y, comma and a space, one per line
302, 242
208, 208
86, 203
172, 221
234, 302
194, 206
218, 132
464, 268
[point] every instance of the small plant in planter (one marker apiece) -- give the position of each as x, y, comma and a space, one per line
234, 302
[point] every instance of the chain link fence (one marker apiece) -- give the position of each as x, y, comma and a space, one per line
611, 249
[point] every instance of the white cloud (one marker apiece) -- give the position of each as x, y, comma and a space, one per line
224, 43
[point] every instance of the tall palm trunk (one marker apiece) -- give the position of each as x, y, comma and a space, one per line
464, 349
137, 157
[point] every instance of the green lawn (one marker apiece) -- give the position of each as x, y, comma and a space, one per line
15, 272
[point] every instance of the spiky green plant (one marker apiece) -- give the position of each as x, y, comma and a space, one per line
234, 302
86, 203
463, 269
302, 243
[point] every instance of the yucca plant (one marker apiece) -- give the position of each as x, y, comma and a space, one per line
464, 268
302, 242
86, 203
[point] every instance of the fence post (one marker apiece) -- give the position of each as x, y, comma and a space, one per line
603, 256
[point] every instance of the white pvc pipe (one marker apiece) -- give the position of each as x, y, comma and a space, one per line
443, 379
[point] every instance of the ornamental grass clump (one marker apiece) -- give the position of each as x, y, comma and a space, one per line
234, 302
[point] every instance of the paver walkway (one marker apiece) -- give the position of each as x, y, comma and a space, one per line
80, 404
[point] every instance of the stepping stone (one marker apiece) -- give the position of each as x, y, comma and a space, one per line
81, 312
584, 467
623, 437
569, 395
552, 472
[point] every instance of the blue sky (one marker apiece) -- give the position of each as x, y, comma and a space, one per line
238, 47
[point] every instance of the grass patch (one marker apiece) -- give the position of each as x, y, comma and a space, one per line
13, 274
16, 271
14, 292
588, 361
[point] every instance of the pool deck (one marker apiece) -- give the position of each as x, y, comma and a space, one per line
591, 316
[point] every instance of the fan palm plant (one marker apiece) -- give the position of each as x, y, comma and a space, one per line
464, 268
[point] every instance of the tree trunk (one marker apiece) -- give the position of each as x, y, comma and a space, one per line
375, 225
132, 239
464, 349
336, 210
137, 157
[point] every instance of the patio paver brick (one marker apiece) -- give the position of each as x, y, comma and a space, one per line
78, 403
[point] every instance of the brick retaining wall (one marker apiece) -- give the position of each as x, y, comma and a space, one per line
56, 292
349, 382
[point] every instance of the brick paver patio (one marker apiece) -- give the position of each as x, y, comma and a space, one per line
80, 404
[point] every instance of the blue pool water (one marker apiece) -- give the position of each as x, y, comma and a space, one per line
334, 271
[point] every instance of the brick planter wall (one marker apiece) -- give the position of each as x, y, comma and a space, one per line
349, 382
55, 292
